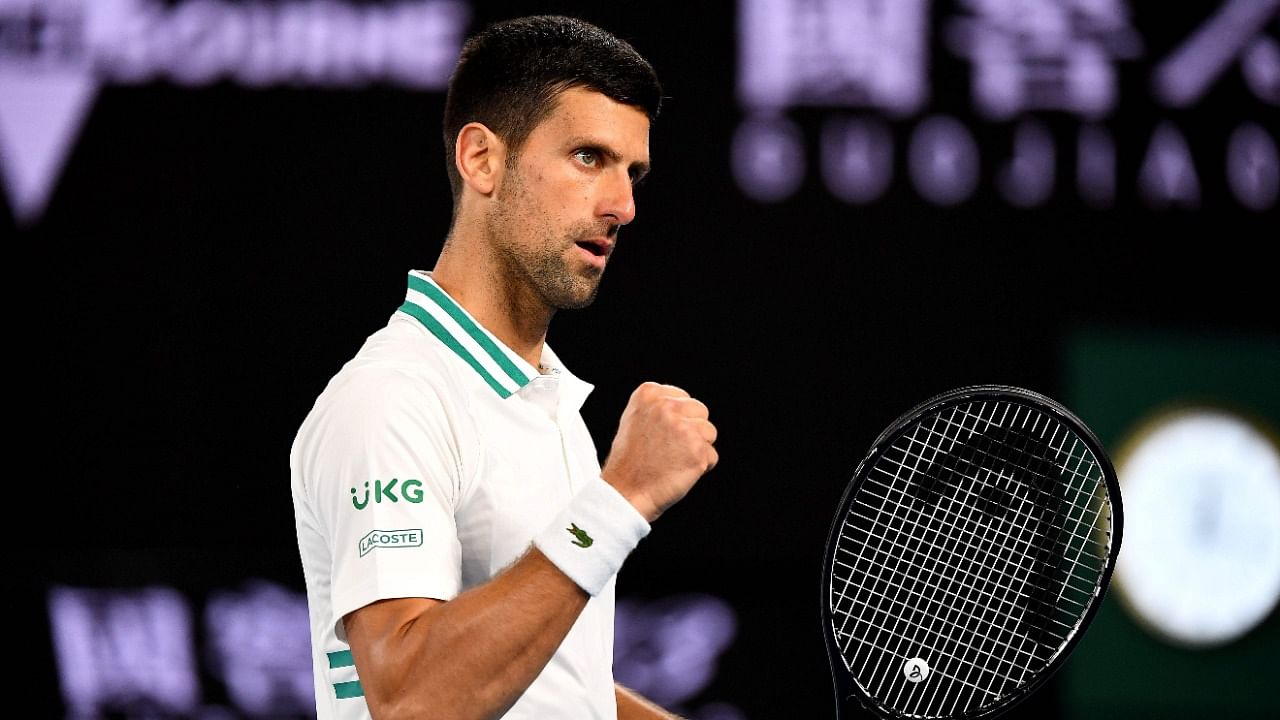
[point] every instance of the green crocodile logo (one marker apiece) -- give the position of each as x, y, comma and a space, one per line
583, 539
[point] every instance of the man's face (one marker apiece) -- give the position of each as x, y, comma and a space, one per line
558, 208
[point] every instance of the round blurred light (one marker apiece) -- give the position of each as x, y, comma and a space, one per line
1200, 563
768, 158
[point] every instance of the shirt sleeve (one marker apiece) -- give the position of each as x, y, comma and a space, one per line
385, 475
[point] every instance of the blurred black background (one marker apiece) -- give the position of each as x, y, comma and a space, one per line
211, 254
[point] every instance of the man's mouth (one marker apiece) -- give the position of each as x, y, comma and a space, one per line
599, 248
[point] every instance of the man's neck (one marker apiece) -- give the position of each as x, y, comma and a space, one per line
512, 312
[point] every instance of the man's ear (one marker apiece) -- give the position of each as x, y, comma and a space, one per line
480, 157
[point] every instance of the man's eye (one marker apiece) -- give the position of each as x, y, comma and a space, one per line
587, 157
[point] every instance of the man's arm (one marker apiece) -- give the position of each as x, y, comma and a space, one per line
470, 657
473, 656
631, 706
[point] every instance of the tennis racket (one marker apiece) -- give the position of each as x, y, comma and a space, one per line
970, 552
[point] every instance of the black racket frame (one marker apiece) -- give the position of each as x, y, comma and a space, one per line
847, 690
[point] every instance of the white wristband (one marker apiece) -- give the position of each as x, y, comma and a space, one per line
591, 537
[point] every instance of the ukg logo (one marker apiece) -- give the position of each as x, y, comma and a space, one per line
56, 54
410, 491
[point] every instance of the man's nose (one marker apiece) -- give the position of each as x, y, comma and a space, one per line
619, 199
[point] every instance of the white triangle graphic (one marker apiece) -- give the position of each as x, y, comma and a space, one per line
40, 116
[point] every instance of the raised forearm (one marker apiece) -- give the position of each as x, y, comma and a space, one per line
473, 657
631, 706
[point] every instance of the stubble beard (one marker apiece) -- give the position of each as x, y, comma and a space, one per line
540, 266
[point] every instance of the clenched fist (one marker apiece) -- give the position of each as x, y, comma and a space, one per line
663, 445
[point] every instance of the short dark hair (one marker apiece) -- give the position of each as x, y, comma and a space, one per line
510, 75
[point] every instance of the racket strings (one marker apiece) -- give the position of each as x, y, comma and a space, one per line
953, 551
1012, 447
1058, 543
954, 616
913, 564
966, 610
986, 501
961, 530
1092, 481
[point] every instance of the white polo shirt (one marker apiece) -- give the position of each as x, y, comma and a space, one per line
426, 466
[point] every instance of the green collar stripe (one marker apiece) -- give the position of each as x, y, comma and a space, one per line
443, 335
340, 659
348, 690
481, 337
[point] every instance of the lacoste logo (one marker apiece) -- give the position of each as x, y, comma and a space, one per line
583, 539
390, 539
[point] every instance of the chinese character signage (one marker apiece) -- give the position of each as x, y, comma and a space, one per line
1040, 100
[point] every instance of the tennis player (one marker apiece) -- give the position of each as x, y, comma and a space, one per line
458, 537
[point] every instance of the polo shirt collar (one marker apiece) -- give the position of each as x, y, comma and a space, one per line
498, 365
573, 390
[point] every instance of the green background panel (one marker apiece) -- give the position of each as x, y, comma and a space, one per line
1115, 381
